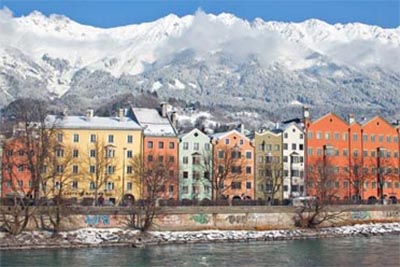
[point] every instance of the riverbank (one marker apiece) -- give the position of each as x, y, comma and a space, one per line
95, 237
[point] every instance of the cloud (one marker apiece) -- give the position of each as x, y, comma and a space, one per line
235, 37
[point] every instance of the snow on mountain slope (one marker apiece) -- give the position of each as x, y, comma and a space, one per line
55, 56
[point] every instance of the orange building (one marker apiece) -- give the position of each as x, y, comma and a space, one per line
343, 158
16, 174
160, 146
233, 166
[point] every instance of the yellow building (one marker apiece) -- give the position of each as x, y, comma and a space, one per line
94, 156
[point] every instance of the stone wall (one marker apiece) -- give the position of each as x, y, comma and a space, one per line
221, 218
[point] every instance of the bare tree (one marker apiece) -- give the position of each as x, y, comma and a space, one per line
227, 170
273, 179
101, 161
151, 176
323, 179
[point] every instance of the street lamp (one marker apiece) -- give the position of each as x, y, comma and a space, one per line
379, 177
123, 174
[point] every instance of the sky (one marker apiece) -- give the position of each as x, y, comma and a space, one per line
112, 13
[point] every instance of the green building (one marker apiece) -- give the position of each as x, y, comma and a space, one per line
195, 166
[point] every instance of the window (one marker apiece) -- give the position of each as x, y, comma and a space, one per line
57, 185
161, 145
301, 147
285, 135
336, 136
236, 185
20, 168
207, 189
93, 138
171, 159
20, 183
381, 138
277, 147
241, 142
248, 154
161, 159
171, 145
59, 152
310, 151
310, 135
59, 137
345, 152
185, 190
221, 154
76, 138
248, 185
319, 151
185, 145
285, 146
129, 186
355, 137
269, 147
150, 158
171, 189
236, 169
59, 168
373, 184
344, 136
150, 144
365, 153
110, 186
196, 175
196, 146
9, 152
129, 169
207, 175
294, 146
110, 169
75, 153
111, 138
74, 185
319, 135
92, 169
185, 160
226, 141
75, 169
206, 146
129, 139
196, 160
346, 184
365, 137
285, 158
129, 154
248, 170
92, 153
185, 175
171, 173
355, 153
92, 186
373, 138
110, 153
327, 135
295, 173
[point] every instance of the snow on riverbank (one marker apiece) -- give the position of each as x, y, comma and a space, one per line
115, 236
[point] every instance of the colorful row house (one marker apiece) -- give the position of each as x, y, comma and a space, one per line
195, 166
352, 160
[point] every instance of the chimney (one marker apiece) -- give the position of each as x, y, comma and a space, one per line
89, 114
121, 114
277, 125
306, 113
351, 118
174, 119
163, 106
242, 128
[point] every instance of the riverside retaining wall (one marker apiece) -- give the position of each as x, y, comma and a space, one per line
222, 218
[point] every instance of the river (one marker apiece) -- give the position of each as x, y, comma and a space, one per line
360, 251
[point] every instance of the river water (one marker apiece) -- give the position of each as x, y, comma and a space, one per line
360, 251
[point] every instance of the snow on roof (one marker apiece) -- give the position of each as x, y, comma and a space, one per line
222, 134
152, 122
82, 122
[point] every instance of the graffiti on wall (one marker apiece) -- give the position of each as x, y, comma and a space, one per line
97, 220
392, 213
360, 215
237, 219
201, 218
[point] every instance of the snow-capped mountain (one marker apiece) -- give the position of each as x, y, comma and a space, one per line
218, 60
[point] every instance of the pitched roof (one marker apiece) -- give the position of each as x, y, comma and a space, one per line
82, 122
223, 134
152, 122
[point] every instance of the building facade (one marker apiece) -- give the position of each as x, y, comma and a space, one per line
233, 166
357, 161
97, 154
268, 164
160, 150
195, 166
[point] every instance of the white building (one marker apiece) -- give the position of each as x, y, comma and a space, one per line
293, 160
